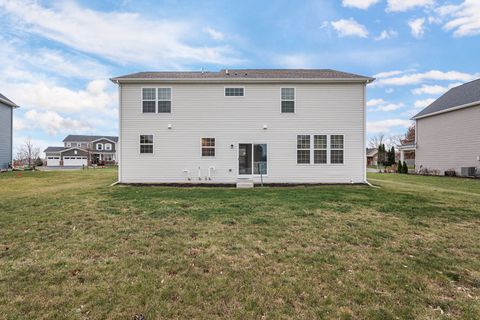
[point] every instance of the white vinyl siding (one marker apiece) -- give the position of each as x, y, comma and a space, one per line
202, 111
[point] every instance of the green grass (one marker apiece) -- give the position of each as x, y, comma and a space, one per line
71, 247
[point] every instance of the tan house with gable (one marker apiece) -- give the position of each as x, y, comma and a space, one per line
448, 132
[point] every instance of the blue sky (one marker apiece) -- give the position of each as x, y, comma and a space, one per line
56, 57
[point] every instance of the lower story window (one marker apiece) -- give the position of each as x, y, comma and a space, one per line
320, 149
146, 143
208, 147
303, 149
336, 149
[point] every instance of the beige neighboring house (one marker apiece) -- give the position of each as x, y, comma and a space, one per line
242, 127
372, 156
448, 132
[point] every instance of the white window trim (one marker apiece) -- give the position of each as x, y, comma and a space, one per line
239, 87
330, 149
294, 100
109, 145
153, 145
201, 148
156, 100
99, 145
312, 150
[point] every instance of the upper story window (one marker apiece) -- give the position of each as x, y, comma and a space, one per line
303, 149
99, 146
164, 100
148, 100
234, 92
108, 146
146, 143
336, 149
288, 100
208, 147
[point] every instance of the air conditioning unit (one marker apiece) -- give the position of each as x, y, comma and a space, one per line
469, 171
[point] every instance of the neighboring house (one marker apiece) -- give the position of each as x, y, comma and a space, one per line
448, 131
372, 156
6, 131
242, 126
85, 150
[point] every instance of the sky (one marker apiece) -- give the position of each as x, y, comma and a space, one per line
56, 57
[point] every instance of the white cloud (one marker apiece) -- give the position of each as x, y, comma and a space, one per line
122, 38
388, 74
416, 78
420, 104
375, 102
465, 18
387, 34
50, 122
405, 5
293, 60
417, 27
214, 34
434, 89
349, 28
387, 125
46, 96
390, 107
359, 4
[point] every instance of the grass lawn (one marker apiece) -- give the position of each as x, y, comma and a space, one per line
71, 247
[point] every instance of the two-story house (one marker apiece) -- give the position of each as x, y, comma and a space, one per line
85, 150
242, 126
6, 131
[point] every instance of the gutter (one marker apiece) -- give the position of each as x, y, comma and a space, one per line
243, 80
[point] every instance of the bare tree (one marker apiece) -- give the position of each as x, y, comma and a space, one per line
28, 153
409, 136
376, 141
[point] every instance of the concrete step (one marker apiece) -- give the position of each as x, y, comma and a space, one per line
245, 183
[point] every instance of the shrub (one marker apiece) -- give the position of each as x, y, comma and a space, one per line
399, 167
451, 173
404, 167
38, 162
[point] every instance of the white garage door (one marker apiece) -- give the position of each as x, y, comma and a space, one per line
53, 161
74, 161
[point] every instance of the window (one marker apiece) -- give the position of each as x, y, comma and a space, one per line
288, 100
146, 144
68, 144
336, 149
108, 146
320, 149
99, 146
148, 100
234, 92
164, 100
303, 149
208, 147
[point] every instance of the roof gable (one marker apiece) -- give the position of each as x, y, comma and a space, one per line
465, 94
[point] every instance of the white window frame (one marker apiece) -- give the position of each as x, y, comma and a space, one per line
253, 159
330, 149
294, 100
157, 100
233, 87
140, 144
314, 149
296, 149
214, 148
99, 147
142, 100
108, 147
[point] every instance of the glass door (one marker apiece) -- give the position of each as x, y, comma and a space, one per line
252, 158
245, 158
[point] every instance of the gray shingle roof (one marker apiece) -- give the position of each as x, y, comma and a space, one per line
250, 74
371, 152
54, 149
464, 94
87, 138
7, 101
